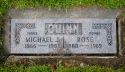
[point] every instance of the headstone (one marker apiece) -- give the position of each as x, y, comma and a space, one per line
82, 31
63, 35
89, 35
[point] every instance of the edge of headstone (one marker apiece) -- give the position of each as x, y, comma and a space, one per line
121, 22
90, 12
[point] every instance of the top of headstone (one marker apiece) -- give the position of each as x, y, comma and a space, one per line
92, 12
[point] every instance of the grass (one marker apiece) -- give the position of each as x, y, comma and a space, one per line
58, 4
43, 68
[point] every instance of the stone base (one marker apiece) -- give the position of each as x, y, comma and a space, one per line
67, 61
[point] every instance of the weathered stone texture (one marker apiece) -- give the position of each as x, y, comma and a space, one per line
71, 61
121, 35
